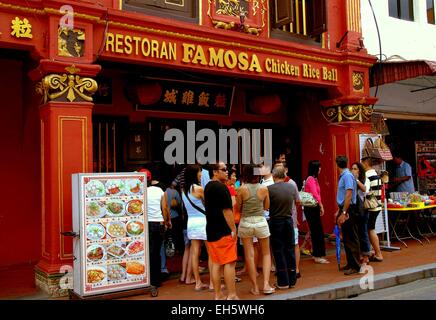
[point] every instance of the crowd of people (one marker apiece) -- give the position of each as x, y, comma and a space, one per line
207, 208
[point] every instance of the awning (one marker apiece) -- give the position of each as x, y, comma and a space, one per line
393, 71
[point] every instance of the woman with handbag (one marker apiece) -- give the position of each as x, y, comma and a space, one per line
373, 204
314, 214
363, 186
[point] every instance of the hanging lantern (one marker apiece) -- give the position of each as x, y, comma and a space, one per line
265, 104
148, 93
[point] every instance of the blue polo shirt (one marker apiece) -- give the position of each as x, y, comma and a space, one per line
346, 182
405, 170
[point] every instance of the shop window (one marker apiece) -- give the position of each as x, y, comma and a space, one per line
430, 12
301, 18
183, 9
401, 9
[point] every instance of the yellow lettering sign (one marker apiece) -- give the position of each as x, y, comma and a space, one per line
21, 28
310, 72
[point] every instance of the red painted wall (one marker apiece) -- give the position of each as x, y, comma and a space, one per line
20, 214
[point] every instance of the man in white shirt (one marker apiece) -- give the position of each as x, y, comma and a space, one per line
158, 220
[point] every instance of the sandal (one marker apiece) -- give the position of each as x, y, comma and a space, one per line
268, 291
253, 292
321, 260
375, 259
202, 287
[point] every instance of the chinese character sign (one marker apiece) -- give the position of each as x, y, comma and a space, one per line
192, 97
21, 28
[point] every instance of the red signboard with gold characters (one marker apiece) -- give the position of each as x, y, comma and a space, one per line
109, 211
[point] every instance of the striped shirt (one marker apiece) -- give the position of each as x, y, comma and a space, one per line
375, 186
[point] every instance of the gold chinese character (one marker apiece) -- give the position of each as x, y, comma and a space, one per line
203, 99
137, 138
138, 150
220, 101
21, 28
171, 97
188, 97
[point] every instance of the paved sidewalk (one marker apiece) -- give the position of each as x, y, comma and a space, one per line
324, 281
319, 281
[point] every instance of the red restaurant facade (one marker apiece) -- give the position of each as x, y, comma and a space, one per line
91, 86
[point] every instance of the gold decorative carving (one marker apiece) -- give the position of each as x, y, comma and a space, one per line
358, 81
231, 7
341, 113
223, 25
72, 69
252, 30
71, 42
179, 35
69, 87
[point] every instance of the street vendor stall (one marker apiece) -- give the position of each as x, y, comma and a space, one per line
407, 210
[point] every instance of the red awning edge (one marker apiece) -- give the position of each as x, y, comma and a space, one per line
393, 71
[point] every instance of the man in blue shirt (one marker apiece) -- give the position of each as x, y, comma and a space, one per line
347, 217
403, 176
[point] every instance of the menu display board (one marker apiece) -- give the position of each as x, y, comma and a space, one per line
109, 213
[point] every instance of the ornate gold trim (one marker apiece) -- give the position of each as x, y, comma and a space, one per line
235, 44
190, 37
341, 113
223, 25
358, 81
55, 87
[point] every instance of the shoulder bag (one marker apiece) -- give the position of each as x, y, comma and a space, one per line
371, 201
307, 199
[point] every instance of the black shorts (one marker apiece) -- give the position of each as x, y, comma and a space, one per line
372, 218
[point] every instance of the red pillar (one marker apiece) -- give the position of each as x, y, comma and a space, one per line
66, 148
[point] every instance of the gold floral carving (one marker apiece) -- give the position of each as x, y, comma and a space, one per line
230, 7
358, 81
234, 8
361, 113
69, 87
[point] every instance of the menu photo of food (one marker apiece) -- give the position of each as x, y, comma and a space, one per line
135, 268
116, 229
115, 208
95, 188
116, 250
135, 207
96, 275
96, 253
114, 187
95, 209
135, 248
116, 272
134, 187
95, 231
135, 228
